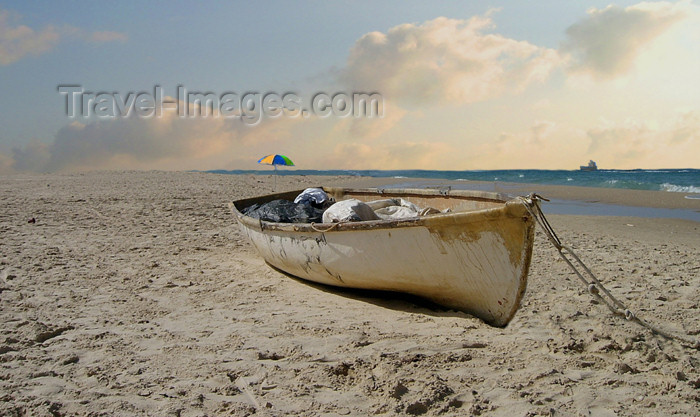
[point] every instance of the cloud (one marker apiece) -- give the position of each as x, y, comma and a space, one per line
139, 139
32, 156
129, 142
607, 42
650, 143
622, 144
439, 62
20, 41
166, 142
445, 60
17, 42
181, 143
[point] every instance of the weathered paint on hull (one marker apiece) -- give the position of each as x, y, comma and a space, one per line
476, 261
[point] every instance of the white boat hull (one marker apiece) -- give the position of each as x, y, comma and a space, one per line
473, 261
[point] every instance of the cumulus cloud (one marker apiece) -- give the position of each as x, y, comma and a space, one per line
138, 139
607, 42
166, 142
30, 157
127, 142
17, 42
445, 60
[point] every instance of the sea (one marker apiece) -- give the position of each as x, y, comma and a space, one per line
672, 180
684, 181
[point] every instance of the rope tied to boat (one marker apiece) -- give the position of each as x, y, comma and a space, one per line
593, 285
331, 227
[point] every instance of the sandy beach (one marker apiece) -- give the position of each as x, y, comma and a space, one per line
134, 293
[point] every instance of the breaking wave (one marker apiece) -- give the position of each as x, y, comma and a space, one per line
679, 188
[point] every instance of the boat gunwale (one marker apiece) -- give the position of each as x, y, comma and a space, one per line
507, 209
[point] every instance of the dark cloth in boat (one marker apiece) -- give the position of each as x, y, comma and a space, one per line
284, 211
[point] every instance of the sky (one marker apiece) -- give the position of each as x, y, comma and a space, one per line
461, 85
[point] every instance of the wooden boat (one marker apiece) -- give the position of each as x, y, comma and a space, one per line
474, 258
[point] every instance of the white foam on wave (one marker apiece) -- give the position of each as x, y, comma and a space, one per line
679, 188
693, 197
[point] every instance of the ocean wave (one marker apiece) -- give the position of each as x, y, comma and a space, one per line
399, 176
679, 188
693, 197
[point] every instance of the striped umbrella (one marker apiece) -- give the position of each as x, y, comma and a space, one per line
275, 160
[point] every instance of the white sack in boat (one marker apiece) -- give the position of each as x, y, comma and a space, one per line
379, 204
395, 213
401, 209
349, 211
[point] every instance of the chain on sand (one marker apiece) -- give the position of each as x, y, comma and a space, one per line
594, 286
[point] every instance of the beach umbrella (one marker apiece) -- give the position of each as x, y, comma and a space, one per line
275, 160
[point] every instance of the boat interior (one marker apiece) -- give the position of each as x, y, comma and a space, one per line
440, 199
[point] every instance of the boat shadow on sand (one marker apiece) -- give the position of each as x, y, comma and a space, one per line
386, 299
